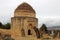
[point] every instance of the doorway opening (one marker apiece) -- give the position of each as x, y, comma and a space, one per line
29, 32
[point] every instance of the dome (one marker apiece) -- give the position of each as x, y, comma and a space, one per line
24, 10
24, 7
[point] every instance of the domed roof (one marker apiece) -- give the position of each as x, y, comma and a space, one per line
24, 7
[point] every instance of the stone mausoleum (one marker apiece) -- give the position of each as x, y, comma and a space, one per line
23, 22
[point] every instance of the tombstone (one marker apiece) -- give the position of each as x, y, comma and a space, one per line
55, 33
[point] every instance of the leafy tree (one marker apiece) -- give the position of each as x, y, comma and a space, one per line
7, 26
1, 24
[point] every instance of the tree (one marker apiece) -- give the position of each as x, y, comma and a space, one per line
7, 26
1, 24
45, 27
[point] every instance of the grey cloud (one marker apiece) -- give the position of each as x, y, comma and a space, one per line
46, 10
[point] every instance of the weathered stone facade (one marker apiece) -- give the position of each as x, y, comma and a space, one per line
23, 21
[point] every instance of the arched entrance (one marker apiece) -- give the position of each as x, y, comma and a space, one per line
29, 32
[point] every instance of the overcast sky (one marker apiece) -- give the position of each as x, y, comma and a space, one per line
47, 11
